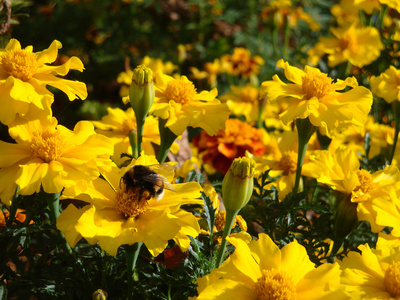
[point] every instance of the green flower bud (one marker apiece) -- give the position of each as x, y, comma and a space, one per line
141, 91
99, 295
346, 218
237, 186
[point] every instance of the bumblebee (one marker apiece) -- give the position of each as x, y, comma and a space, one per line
149, 181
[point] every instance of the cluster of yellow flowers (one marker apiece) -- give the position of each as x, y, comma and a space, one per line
100, 162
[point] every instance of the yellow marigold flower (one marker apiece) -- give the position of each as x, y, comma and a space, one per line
241, 63
282, 162
341, 171
371, 274
219, 151
158, 65
211, 71
345, 12
381, 138
283, 9
51, 157
24, 76
359, 46
243, 101
118, 217
387, 85
117, 124
219, 226
260, 270
178, 101
313, 95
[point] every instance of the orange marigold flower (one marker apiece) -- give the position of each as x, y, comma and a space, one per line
219, 151
241, 63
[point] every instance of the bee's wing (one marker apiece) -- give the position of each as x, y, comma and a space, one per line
165, 170
168, 186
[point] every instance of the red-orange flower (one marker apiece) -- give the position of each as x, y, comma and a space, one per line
220, 150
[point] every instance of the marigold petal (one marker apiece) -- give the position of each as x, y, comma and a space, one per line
66, 223
328, 278
243, 261
262, 246
49, 55
294, 254
291, 73
227, 289
12, 153
8, 176
73, 89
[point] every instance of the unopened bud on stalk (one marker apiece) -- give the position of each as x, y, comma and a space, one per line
237, 186
346, 218
100, 295
141, 91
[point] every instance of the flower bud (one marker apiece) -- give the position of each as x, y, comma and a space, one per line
141, 91
346, 218
237, 186
99, 295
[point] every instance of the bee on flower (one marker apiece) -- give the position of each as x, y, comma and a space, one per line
118, 215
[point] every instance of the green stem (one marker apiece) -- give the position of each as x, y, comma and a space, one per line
396, 113
13, 208
275, 40
229, 220
260, 121
132, 254
139, 132
167, 139
382, 14
304, 130
133, 140
53, 202
286, 39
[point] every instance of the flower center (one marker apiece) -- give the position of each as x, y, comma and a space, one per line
288, 162
128, 125
128, 203
275, 285
366, 184
180, 91
392, 279
316, 84
47, 145
347, 41
21, 64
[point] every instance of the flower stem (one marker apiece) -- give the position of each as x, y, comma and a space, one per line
229, 220
133, 140
396, 113
286, 39
53, 202
13, 207
139, 133
167, 139
132, 254
304, 130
